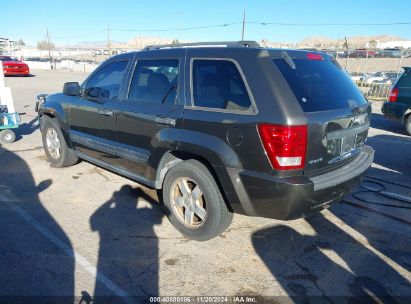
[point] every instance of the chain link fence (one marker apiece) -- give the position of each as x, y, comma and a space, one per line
375, 91
374, 71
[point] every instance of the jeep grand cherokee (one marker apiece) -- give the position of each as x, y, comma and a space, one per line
218, 128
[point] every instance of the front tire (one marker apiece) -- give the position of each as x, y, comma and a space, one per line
55, 147
193, 201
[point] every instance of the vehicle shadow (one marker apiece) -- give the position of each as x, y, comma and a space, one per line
15, 76
36, 256
378, 121
128, 251
327, 263
27, 128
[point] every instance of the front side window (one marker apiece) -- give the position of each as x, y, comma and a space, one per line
218, 84
155, 81
105, 84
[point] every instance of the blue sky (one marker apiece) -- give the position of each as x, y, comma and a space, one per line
30, 19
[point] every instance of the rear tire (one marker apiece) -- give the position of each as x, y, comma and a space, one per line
193, 201
407, 124
7, 136
55, 147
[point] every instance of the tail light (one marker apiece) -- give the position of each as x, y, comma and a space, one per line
393, 95
285, 146
314, 56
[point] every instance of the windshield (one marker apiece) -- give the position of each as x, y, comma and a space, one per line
320, 85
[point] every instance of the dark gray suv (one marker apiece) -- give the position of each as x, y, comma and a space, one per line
223, 128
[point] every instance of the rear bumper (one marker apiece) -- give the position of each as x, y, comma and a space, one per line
288, 198
19, 71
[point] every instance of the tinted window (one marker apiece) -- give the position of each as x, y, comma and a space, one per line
6, 58
218, 84
320, 85
405, 79
106, 83
155, 81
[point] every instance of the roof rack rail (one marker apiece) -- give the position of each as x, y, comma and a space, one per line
204, 44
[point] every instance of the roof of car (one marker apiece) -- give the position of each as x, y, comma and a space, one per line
223, 46
242, 44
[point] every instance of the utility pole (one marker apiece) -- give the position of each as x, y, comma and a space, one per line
49, 47
108, 39
348, 52
242, 33
68, 48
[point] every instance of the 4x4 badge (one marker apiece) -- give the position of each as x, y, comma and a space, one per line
315, 161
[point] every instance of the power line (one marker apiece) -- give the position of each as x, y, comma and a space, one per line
329, 24
177, 29
243, 22
261, 23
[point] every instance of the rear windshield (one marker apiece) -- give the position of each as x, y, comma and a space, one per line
405, 79
320, 85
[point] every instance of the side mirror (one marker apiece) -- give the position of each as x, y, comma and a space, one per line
71, 89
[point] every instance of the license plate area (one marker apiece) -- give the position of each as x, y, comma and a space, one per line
347, 144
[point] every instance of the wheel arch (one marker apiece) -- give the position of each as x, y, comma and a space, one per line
406, 115
52, 114
219, 173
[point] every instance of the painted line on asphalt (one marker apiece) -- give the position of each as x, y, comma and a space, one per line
397, 196
78, 258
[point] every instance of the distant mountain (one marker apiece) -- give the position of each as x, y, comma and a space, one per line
96, 44
319, 42
134, 43
353, 41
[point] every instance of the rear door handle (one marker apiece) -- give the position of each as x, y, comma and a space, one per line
165, 121
105, 112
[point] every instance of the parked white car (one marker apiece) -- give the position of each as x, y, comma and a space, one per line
356, 76
378, 76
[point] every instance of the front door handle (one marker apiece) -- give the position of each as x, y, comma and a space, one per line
105, 112
165, 121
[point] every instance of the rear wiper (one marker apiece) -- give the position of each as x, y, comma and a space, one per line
288, 59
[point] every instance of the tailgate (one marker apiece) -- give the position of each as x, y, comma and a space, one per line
334, 137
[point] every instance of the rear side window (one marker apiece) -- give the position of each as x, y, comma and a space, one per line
218, 84
155, 81
106, 83
320, 85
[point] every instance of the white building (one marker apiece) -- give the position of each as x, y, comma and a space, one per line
6, 45
404, 44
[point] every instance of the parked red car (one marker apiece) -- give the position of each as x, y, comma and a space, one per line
362, 53
12, 66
